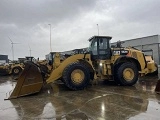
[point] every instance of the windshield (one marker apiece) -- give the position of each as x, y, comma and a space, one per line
50, 56
103, 43
93, 46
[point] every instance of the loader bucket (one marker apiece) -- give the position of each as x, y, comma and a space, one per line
157, 90
30, 81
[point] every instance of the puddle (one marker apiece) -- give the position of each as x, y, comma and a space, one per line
96, 102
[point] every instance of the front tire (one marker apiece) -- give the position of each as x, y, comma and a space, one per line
76, 76
126, 74
16, 70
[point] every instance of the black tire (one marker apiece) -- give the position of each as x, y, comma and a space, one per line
16, 70
62, 80
70, 81
44, 70
115, 73
121, 74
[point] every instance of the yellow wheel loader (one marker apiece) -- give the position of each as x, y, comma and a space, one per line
123, 65
13, 68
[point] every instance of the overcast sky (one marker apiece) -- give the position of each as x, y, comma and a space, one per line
72, 23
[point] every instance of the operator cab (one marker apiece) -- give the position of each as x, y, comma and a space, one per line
100, 47
50, 58
30, 58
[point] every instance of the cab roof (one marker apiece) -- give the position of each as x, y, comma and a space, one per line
109, 37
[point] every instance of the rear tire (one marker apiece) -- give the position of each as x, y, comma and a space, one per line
126, 74
76, 76
16, 70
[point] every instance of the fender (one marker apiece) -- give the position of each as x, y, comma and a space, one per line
128, 59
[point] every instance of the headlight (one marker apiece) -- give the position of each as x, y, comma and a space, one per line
100, 64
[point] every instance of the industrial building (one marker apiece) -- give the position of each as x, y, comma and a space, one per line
150, 43
3, 59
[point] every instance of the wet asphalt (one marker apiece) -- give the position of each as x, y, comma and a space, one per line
104, 101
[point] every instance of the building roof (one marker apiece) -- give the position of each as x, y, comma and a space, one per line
141, 37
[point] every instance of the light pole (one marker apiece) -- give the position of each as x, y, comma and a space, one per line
30, 50
50, 38
98, 29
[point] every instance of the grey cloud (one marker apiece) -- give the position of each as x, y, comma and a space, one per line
27, 12
136, 10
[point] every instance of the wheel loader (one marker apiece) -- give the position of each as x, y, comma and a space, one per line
100, 62
13, 68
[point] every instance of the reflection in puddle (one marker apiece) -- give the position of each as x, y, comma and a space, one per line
152, 112
103, 110
7, 109
147, 85
48, 111
76, 115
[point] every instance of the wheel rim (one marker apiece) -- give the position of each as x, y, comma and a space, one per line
16, 70
128, 74
77, 76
